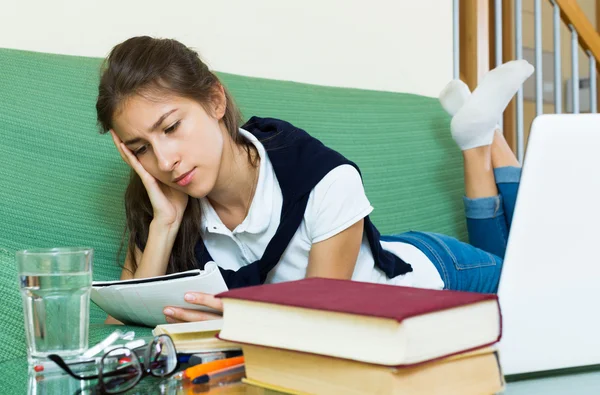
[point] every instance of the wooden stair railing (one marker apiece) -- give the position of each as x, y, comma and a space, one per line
572, 14
477, 43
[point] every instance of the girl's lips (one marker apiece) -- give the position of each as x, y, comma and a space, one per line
187, 178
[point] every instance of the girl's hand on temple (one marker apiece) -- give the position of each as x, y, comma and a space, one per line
178, 314
168, 203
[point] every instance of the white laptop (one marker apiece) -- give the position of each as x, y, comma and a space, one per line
550, 285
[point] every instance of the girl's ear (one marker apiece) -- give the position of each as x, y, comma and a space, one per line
219, 102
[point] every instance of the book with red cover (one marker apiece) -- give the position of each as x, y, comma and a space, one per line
373, 323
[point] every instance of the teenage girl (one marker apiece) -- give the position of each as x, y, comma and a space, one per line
267, 202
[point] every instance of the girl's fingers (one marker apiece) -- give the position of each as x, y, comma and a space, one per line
117, 141
173, 320
132, 160
203, 299
189, 315
157, 196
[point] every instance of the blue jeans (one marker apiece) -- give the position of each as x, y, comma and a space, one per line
473, 267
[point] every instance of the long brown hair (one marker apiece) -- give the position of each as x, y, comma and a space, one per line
142, 65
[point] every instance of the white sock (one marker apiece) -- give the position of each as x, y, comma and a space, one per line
454, 96
475, 122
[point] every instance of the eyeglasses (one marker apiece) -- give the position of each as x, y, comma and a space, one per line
122, 368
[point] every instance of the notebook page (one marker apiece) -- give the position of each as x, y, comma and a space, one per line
143, 303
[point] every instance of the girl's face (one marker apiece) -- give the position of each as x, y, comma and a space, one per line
174, 137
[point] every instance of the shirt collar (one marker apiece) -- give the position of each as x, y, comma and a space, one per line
259, 215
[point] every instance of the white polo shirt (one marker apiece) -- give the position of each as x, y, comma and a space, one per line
337, 202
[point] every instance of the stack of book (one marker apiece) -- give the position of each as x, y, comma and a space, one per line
196, 337
323, 336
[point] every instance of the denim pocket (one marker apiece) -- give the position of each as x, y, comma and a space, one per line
464, 256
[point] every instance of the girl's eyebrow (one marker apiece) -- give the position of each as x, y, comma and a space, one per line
161, 119
133, 141
153, 128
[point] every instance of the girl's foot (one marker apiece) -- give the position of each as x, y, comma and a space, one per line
454, 96
475, 121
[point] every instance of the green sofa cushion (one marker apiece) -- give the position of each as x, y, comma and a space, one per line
12, 332
62, 183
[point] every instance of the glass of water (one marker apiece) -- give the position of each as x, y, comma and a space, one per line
55, 288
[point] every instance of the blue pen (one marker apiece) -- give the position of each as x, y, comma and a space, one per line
183, 358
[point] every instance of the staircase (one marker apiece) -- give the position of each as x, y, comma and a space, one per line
488, 33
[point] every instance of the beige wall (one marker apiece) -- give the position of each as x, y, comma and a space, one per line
380, 44
589, 7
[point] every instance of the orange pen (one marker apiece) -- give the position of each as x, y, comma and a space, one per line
204, 368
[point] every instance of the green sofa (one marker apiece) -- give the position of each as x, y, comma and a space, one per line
62, 183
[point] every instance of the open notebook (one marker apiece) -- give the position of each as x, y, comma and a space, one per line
141, 301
